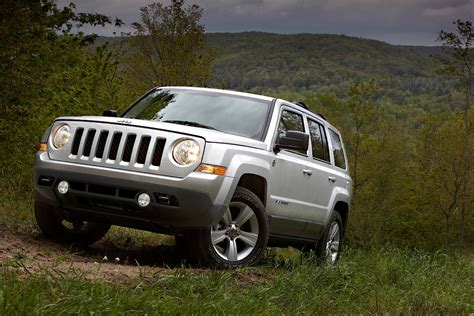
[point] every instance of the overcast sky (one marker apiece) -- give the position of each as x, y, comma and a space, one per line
407, 22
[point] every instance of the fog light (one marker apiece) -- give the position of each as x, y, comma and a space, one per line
143, 199
63, 187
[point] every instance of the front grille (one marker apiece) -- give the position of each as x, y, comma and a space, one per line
88, 145
158, 153
99, 153
143, 149
114, 147
77, 141
127, 152
115, 144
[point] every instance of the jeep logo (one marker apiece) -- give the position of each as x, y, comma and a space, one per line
128, 122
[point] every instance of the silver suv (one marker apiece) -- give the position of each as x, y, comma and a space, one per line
226, 173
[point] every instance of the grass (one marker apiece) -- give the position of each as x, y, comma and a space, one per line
365, 281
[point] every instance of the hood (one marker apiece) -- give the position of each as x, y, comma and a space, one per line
211, 136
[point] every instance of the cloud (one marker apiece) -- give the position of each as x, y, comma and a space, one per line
449, 8
394, 21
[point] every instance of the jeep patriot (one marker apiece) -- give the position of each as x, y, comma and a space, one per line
226, 173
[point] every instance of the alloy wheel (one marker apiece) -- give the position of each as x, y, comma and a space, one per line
236, 235
333, 242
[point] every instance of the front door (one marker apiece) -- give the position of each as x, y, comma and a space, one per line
291, 188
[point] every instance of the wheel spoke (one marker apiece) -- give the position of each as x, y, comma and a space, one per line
245, 214
231, 251
334, 231
328, 251
249, 238
227, 219
217, 236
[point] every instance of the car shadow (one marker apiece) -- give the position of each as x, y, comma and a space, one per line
165, 256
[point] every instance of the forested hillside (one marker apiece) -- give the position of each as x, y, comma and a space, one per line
320, 63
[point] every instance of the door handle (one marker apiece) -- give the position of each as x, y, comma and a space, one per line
307, 172
332, 179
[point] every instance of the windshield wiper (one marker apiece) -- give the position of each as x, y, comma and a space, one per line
189, 123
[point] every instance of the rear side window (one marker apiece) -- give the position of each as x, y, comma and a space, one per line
291, 121
337, 150
319, 142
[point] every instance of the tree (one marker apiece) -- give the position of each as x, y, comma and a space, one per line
46, 71
362, 111
458, 63
168, 46
458, 60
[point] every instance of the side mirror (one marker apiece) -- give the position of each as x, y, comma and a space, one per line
111, 113
293, 140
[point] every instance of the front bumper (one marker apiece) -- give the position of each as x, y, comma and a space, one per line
109, 195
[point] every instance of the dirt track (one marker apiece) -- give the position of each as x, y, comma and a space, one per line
32, 253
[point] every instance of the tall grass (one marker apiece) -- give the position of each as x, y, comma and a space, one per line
365, 281
375, 280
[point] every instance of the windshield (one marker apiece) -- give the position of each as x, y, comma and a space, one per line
239, 115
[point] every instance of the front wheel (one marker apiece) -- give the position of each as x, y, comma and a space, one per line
61, 230
240, 237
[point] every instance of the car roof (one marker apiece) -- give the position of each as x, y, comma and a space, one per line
309, 113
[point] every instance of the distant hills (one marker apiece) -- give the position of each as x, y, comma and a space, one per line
319, 62
316, 63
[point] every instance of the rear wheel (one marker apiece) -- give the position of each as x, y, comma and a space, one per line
240, 237
328, 248
59, 229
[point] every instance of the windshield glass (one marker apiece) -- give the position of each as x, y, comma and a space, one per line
239, 115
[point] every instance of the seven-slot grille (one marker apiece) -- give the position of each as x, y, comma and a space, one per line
117, 147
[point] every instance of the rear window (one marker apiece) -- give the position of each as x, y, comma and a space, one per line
337, 150
319, 142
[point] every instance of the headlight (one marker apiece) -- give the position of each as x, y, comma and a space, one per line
61, 136
186, 152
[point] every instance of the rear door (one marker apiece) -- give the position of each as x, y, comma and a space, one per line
343, 179
322, 178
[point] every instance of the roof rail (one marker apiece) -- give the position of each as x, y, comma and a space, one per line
304, 106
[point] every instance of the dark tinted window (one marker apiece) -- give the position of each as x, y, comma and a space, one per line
291, 121
337, 150
318, 141
233, 114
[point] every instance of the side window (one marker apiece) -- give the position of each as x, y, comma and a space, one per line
291, 121
318, 141
337, 149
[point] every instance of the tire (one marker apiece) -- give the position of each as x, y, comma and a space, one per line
241, 236
56, 228
328, 248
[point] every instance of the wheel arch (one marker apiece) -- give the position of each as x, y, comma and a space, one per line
343, 209
257, 184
